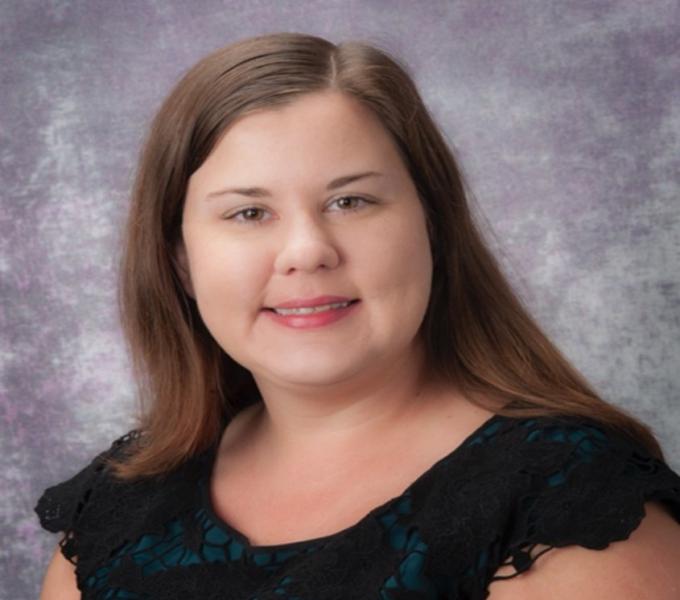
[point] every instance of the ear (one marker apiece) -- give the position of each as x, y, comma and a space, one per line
180, 262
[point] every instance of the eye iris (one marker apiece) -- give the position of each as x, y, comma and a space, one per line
347, 201
251, 212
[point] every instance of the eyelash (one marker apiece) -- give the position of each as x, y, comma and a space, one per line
260, 222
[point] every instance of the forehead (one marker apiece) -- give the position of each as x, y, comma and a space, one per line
323, 127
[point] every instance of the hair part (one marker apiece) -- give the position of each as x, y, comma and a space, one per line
478, 334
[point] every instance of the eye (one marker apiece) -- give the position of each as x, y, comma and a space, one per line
347, 202
249, 215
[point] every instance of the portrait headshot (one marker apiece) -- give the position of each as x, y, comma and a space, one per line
330, 300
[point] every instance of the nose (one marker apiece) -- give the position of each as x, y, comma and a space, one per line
306, 246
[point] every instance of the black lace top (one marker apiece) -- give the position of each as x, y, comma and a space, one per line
511, 485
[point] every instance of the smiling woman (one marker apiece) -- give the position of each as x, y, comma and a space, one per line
343, 397
306, 247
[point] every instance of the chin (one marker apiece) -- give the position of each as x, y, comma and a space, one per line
315, 373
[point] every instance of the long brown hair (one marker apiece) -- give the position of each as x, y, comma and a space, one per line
478, 334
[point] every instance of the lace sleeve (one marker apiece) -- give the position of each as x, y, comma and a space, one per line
594, 498
60, 506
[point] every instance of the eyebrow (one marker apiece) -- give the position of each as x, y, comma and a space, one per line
256, 192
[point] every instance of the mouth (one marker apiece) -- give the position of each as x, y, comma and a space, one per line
309, 310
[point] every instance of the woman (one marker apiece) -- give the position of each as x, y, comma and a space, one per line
345, 399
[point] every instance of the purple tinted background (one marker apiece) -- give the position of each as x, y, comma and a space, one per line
565, 116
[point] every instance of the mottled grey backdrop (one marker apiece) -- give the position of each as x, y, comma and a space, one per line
565, 114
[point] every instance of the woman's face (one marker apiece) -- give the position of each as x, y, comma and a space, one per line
294, 238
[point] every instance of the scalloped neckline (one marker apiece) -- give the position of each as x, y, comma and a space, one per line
207, 505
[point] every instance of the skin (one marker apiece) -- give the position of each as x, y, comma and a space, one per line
59, 582
339, 388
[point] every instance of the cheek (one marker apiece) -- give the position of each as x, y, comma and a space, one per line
227, 278
400, 274
408, 271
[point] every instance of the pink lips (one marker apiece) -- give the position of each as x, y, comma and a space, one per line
313, 320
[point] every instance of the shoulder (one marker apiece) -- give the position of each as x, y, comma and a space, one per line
97, 511
643, 567
594, 511
61, 506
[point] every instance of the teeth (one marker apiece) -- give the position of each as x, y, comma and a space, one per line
308, 310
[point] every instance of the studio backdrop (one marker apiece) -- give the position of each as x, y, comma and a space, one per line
564, 114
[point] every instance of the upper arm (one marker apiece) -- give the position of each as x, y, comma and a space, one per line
60, 580
643, 567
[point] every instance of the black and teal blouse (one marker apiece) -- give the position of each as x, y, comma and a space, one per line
511, 485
